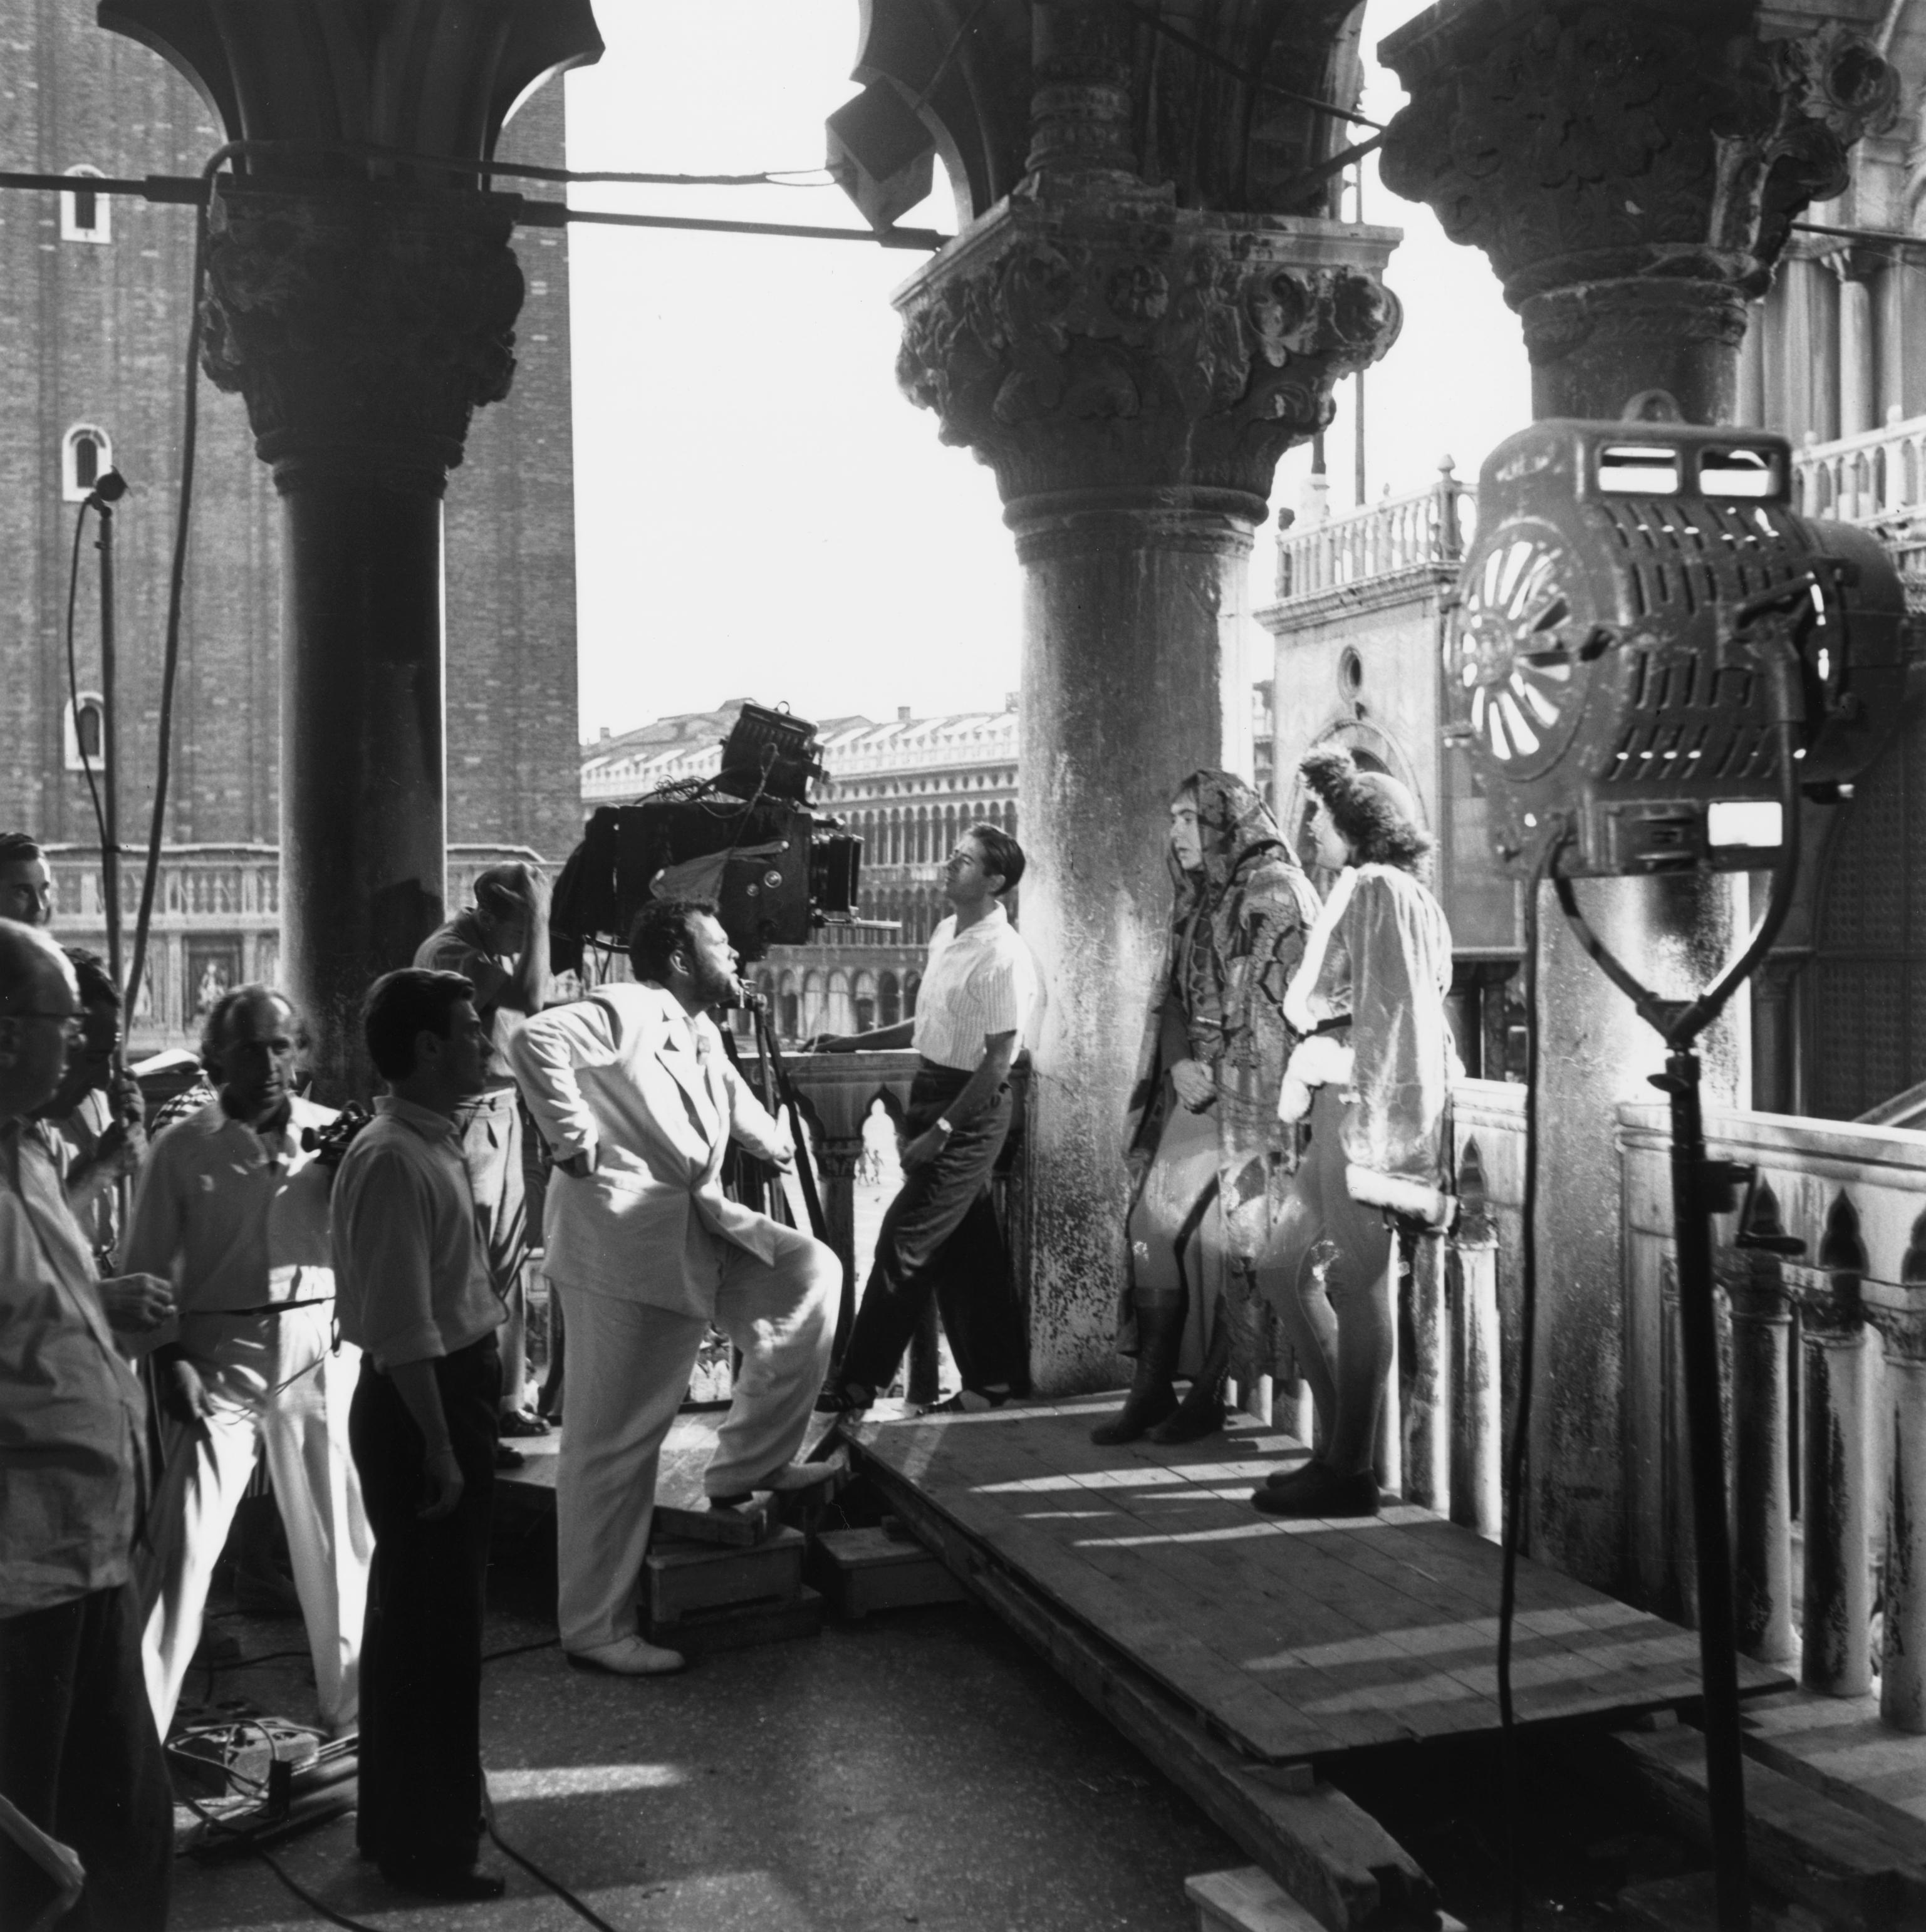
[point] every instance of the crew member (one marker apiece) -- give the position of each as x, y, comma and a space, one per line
417, 1296
94, 1121
1210, 1162
638, 1103
26, 886
227, 1209
79, 1756
1373, 1078
980, 988
500, 945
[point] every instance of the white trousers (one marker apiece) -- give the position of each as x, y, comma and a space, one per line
270, 1379
626, 1371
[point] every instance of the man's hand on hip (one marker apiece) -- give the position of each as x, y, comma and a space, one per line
1195, 1087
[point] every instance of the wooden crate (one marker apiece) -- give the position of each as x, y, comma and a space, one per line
742, 1625
864, 1570
681, 1578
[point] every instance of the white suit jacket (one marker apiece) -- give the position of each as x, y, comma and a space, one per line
626, 1078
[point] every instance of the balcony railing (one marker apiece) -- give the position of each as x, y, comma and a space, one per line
1824, 1358
1877, 479
1381, 540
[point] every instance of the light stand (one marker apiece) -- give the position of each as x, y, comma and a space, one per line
1702, 1187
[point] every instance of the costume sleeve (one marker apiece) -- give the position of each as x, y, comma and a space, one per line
383, 1242
545, 1055
1403, 1058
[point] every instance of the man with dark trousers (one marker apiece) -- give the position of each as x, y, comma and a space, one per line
413, 1290
80, 1759
978, 996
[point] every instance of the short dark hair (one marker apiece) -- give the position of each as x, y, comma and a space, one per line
18, 847
1002, 854
661, 927
97, 985
401, 1004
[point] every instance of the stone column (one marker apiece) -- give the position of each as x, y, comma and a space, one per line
1899, 1312
1858, 360
1132, 371
1761, 1327
1631, 171
364, 311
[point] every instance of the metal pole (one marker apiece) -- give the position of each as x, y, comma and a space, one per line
110, 750
1725, 1776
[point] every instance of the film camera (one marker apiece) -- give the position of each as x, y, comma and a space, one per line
1646, 633
746, 838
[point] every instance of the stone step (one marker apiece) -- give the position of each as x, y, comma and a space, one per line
1842, 1748
1855, 1874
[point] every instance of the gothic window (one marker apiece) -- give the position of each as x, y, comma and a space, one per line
83, 212
86, 456
86, 732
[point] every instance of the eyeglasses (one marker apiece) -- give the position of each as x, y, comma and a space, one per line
72, 1025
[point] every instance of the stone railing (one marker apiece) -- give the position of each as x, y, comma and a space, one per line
1877, 479
1825, 1364
1382, 540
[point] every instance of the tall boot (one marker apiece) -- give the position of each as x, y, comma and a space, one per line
1159, 1336
1201, 1411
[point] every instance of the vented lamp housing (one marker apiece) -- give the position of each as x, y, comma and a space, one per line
1609, 662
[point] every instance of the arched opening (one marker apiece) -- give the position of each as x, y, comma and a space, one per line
85, 732
889, 1000
84, 213
86, 455
863, 996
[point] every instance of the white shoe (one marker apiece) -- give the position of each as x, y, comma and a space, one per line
793, 1476
627, 1657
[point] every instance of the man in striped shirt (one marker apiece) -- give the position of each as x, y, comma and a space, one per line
980, 991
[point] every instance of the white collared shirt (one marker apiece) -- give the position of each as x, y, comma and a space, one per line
977, 983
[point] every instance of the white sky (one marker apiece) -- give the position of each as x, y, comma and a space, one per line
759, 512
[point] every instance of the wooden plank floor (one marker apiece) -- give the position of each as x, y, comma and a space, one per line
1292, 1639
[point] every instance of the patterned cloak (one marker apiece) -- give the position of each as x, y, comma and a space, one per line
1236, 936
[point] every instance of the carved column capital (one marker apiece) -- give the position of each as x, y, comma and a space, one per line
1138, 355
363, 326
1631, 168
1898, 1311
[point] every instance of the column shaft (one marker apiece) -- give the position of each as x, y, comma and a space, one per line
1125, 616
1762, 1469
1838, 1589
1903, 1679
364, 825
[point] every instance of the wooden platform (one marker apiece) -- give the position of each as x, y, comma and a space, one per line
1288, 1639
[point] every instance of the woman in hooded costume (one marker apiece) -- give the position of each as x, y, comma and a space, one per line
1373, 1078
1208, 1157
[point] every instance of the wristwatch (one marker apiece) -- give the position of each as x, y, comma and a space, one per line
946, 1128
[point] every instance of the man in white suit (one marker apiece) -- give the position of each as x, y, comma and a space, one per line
638, 1100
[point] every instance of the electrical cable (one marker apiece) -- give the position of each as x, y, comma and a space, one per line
1519, 1461
535, 1871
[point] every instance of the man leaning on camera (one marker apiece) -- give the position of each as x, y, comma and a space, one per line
638, 1102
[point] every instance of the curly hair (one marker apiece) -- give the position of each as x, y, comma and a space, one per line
1374, 815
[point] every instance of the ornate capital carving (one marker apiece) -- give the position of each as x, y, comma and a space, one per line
1091, 355
363, 327
1628, 166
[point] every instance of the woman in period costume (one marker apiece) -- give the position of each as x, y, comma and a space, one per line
1208, 1157
1373, 1078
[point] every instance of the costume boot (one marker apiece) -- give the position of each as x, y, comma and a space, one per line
1159, 1336
1201, 1411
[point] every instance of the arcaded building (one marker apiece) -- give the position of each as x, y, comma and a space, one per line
94, 292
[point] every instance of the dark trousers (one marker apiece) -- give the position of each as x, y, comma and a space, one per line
421, 1664
941, 1236
79, 1757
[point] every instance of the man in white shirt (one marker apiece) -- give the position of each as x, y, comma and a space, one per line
417, 1297
229, 1211
638, 1102
978, 996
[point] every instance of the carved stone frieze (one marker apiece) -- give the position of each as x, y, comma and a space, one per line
1150, 348
363, 328
1629, 167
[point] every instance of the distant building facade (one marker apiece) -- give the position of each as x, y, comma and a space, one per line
94, 309
908, 788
